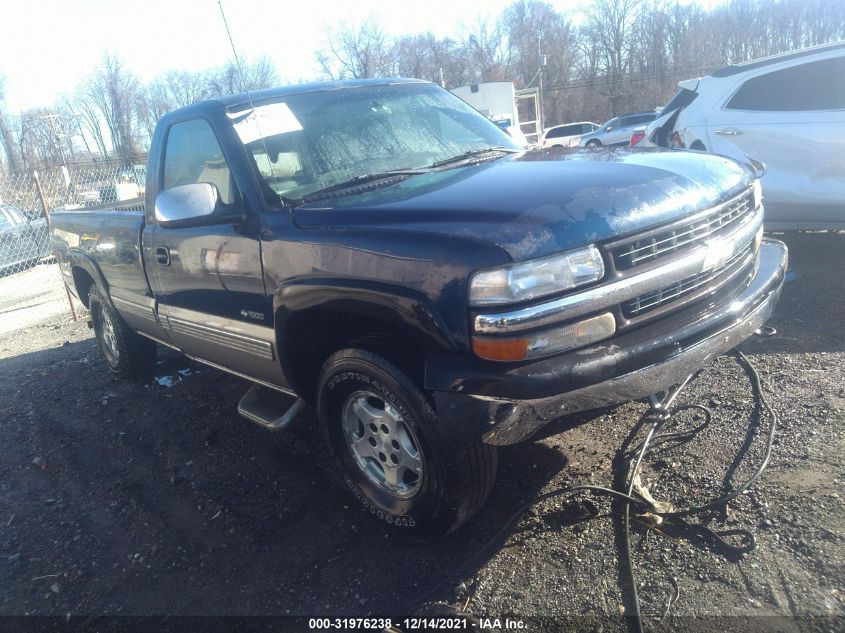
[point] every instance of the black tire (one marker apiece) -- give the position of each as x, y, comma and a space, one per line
593, 143
698, 145
127, 353
456, 477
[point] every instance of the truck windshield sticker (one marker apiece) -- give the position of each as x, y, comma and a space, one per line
263, 121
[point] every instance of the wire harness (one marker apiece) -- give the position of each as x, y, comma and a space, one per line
634, 495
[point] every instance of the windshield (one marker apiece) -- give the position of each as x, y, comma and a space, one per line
304, 143
609, 125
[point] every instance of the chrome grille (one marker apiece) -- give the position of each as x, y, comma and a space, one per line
663, 242
644, 303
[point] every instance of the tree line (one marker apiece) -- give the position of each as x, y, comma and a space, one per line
608, 58
611, 57
111, 116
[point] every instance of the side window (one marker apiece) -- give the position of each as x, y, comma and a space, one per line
613, 123
555, 132
192, 154
816, 85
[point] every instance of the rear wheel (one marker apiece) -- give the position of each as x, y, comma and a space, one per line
126, 353
382, 432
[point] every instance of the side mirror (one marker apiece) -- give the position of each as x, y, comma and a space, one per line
759, 167
194, 204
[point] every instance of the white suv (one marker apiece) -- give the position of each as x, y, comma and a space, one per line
567, 135
786, 111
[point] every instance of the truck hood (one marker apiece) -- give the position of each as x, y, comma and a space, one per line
541, 201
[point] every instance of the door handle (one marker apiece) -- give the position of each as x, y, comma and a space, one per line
162, 255
727, 132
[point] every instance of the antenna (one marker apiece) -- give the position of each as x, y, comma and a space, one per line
232, 43
246, 90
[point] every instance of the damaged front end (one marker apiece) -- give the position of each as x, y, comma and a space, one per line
666, 331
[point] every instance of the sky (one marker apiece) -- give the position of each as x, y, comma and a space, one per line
47, 47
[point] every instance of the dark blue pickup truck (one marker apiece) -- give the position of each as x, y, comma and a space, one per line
386, 254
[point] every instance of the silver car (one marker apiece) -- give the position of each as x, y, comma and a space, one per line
618, 130
22, 241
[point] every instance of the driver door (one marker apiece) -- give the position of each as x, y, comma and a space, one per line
207, 277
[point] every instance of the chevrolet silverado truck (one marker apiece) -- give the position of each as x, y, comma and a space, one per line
384, 253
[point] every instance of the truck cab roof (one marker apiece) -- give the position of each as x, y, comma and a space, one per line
270, 94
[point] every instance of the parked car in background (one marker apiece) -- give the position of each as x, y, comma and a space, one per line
785, 111
617, 131
566, 135
22, 241
129, 184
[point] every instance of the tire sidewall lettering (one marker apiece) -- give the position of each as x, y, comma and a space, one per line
345, 376
397, 521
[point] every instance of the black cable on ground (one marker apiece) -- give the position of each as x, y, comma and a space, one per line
733, 494
656, 417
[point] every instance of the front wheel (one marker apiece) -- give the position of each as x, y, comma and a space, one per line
383, 435
593, 143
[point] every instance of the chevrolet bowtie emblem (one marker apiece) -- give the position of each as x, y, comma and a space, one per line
716, 253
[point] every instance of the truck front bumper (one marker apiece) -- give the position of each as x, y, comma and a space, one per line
507, 404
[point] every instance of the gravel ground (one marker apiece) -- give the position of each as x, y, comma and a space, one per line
122, 498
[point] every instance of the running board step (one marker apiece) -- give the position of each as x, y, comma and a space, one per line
271, 409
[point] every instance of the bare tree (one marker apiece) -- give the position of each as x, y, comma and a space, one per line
89, 118
356, 52
179, 88
110, 97
171, 90
487, 50
48, 137
534, 29
609, 24
7, 138
231, 78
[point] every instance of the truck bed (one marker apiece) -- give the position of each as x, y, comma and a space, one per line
107, 240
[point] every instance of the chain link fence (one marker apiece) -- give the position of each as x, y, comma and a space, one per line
27, 202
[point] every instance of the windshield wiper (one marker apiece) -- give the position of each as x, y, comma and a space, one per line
360, 180
473, 154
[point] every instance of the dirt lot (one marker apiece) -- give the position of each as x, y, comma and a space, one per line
142, 498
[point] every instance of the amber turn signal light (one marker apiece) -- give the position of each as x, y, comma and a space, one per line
494, 349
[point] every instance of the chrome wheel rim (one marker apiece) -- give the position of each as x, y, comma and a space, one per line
383, 445
109, 336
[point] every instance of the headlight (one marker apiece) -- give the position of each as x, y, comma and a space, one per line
547, 342
758, 193
537, 278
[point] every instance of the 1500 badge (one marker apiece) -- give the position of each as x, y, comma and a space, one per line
252, 314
